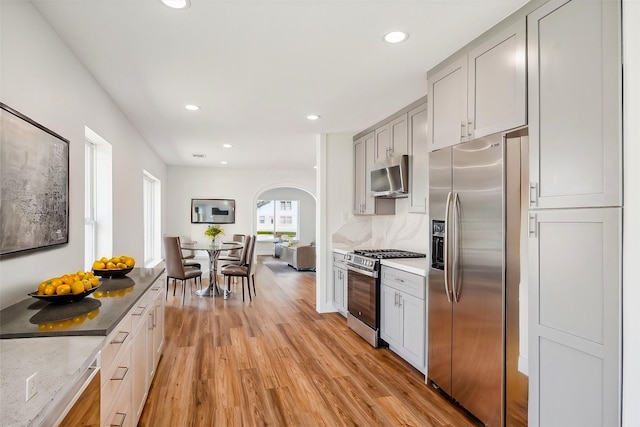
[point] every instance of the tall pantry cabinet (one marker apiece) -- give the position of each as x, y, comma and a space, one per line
575, 213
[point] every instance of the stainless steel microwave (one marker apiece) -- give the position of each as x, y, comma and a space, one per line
390, 178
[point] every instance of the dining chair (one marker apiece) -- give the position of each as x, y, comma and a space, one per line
176, 270
244, 269
188, 255
233, 255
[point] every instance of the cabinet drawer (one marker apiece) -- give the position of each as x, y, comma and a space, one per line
409, 283
120, 412
139, 311
116, 382
338, 261
117, 339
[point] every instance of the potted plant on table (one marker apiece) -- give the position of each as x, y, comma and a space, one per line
213, 231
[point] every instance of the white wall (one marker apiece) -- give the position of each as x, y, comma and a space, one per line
335, 203
42, 79
243, 185
631, 216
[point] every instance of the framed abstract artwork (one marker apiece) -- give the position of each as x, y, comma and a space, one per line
34, 192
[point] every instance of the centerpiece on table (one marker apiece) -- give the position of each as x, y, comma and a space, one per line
212, 232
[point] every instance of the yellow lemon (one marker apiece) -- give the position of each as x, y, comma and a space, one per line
49, 290
110, 266
41, 288
63, 290
77, 287
130, 261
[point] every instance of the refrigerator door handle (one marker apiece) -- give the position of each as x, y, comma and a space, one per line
456, 220
446, 247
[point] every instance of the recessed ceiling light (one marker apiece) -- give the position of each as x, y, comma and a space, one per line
226, 145
177, 4
192, 107
313, 117
395, 36
315, 167
223, 162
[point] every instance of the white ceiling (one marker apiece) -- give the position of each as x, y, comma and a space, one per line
257, 68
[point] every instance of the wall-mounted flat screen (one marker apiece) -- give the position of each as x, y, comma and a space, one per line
213, 211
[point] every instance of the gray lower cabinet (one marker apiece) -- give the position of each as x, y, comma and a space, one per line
340, 283
403, 315
575, 316
574, 75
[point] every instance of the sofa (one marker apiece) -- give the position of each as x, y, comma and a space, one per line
300, 257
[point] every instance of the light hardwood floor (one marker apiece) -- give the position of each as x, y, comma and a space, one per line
276, 361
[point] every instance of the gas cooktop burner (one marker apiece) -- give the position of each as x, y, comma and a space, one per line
388, 253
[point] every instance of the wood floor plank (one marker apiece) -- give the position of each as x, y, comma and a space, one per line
276, 361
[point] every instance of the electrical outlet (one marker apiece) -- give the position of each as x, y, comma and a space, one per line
32, 386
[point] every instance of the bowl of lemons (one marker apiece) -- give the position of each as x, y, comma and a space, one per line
113, 267
67, 288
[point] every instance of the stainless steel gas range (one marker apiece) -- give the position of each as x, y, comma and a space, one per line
363, 290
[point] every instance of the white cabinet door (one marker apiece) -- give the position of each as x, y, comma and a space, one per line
418, 160
413, 330
338, 284
574, 74
158, 327
497, 85
390, 316
398, 145
447, 105
574, 317
382, 143
139, 353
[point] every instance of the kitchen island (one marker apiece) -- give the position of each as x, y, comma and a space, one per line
59, 350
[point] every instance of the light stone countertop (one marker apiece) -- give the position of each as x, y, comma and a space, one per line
59, 363
419, 266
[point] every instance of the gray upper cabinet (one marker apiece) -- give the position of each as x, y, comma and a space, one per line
481, 92
497, 98
391, 139
574, 71
364, 202
418, 160
447, 105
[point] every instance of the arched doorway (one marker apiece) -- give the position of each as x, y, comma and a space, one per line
284, 210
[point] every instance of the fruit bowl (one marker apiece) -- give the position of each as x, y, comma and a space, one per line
112, 273
63, 299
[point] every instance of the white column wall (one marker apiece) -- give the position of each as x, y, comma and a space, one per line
631, 216
41, 78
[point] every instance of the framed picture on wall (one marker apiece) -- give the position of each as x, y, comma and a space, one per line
34, 193
213, 211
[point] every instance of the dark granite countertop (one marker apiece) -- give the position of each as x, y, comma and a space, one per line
96, 314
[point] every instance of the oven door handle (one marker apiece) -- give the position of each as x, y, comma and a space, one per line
367, 273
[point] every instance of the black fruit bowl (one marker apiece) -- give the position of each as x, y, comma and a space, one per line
110, 274
63, 299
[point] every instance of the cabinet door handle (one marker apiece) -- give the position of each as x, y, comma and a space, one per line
533, 194
469, 128
139, 313
397, 279
463, 132
399, 300
120, 373
533, 225
120, 338
121, 423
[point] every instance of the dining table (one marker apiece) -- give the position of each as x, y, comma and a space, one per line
213, 250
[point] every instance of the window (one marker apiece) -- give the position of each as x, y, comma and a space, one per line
151, 211
90, 205
277, 218
98, 217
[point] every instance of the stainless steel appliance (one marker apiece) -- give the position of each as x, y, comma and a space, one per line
390, 178
476, 196
363, 289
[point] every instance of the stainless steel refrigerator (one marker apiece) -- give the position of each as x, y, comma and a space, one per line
477, 193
